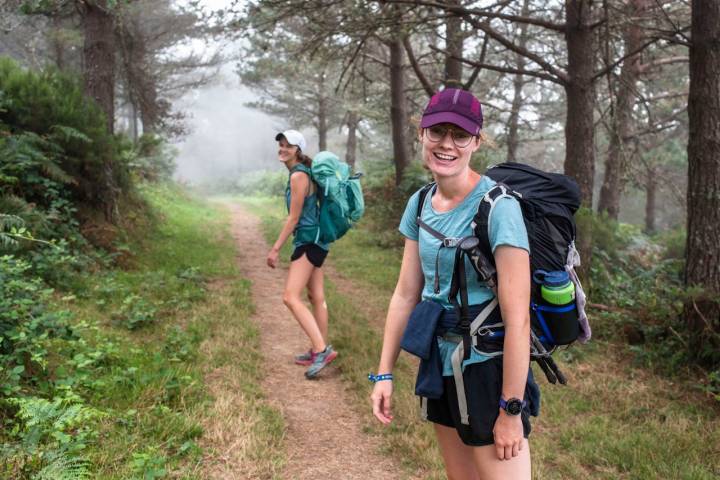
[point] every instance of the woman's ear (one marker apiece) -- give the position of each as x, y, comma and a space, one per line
419, 133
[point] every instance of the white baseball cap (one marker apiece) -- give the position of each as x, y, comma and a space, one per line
293, 137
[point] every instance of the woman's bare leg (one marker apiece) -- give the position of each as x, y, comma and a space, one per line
491, 468
457, 456
298, 277
316, 294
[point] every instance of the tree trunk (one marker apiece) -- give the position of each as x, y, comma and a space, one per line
514, 120
617, 159
133, 117
650, 196
99, 58
398, 109
57, 45
352, 123
139, 76
322, 123
579, 127
322, 113
702, 266
454, 38
99, 83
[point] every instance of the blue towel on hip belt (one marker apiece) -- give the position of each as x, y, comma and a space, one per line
428, 321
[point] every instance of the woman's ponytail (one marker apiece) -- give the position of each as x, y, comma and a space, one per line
304, 159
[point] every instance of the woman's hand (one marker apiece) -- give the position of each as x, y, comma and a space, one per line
508, 434
381, 401
272, 257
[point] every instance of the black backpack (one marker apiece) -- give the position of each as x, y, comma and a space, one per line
548, 202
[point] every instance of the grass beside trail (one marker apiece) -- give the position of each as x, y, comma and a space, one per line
612, 421
155, 329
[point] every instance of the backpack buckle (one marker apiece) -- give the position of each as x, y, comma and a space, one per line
450, 242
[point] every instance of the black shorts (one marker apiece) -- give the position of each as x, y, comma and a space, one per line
483, 388
314, 253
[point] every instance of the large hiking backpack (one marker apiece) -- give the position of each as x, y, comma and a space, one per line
341, 198
548, 202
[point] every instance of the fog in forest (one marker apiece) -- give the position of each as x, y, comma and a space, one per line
225, 137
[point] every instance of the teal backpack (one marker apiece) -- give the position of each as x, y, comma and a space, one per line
341, 198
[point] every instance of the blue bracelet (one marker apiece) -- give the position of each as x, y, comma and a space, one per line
380, 377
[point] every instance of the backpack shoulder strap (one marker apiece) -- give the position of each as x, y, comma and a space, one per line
421, 199
481, 221
446, 241
301, 168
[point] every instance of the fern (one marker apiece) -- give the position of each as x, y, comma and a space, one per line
62, 467
67, 134
10, 225
29, 150
10, 221
58, 415
34, 219
53, 432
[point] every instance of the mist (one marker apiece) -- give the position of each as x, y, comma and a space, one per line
226, 138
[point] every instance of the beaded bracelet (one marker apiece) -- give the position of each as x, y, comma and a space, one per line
380, 377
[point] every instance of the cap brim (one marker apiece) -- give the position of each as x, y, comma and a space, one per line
450, 117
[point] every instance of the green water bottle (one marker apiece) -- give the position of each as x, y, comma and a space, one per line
556, 288
557, 312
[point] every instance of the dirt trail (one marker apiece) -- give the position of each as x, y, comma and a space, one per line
324, 437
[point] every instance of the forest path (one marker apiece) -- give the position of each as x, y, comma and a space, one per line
324, 434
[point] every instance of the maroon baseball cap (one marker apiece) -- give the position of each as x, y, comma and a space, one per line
455, 106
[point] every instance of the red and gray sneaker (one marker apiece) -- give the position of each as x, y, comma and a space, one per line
305, 358
321, 360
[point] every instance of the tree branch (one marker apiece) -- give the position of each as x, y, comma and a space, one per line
476, 72
497, 68
376, 60
658, 126
677, 31
617, 62
418, 72
458, 10
662, 61
351, 62
561, 77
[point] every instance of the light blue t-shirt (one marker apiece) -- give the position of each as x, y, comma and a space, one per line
506, 227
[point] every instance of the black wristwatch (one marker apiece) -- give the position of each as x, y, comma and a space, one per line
513, 406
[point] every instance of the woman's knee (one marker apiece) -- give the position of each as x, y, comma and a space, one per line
316, 297
291, 298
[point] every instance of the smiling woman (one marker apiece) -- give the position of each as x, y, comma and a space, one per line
308, 256
479, 404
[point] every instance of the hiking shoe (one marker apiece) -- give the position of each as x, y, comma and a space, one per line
321, 361
305, 358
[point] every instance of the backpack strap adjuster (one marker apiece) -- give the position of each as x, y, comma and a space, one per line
450, 242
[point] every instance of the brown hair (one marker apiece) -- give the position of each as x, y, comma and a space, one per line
304, 159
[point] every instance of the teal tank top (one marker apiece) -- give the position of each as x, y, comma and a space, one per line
307, 229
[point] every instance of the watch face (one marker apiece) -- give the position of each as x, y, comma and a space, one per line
513, 407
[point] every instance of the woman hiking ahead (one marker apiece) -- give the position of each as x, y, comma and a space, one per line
308, 255
479, 402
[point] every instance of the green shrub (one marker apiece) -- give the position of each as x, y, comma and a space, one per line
150, 159
263, 183
385, 202
54, 143
673, 243
135, 312
26, 326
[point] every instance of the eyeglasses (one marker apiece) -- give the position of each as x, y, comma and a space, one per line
460, 138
